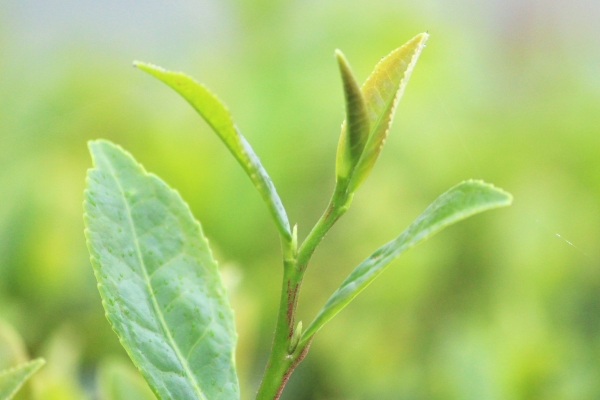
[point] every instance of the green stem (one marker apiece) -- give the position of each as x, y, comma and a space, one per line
281, 363
340, 201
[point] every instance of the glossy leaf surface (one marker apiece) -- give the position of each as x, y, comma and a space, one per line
355, 129
12, 379
382, 92
218, 117
159, 283
461, 201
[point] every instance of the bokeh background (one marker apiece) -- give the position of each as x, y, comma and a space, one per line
503, 306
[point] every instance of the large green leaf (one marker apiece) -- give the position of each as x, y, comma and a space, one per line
382, 92
461, 201
160, 286
218, 117
355, 129
12, 379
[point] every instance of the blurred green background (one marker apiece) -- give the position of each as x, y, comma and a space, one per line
503, 306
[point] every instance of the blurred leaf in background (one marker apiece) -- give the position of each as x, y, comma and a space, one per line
60, 379
118, 380
12, 354
12, 379
507, 91
12, 348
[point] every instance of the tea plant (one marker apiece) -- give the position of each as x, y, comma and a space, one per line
159, 283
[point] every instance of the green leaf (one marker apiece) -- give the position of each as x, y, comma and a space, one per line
119, 381
461, 201
382, 92
159, 283
218, 117
12, 379
355, 129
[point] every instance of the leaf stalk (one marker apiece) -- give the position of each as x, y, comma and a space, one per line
281, 361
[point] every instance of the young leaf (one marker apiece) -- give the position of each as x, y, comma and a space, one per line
461, 201
382, 92
355, 129
217, 116
159, 283
12, 379
119, 381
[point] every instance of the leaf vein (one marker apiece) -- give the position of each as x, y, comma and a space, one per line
165, 263
157, 310
200, 339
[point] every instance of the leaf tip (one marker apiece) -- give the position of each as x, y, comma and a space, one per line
342, 61
148, 67
95, 146
417, 44
490, 195
505, 198
38, 363
100, 149
420, 39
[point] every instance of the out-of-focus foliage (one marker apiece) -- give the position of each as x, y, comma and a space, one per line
12, 348
499, 307
15, 369
118, 380
60, 378
12, 379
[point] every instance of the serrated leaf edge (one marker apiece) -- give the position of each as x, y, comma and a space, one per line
257, 173
37, 364
93, 259
319, 322
389, 113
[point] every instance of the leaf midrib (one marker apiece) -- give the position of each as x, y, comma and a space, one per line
370, 140
157, 310
389, 104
